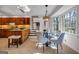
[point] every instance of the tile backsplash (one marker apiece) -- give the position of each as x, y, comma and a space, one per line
18, 26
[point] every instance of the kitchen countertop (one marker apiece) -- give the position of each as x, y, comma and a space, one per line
14, 29
4, 28
18, 29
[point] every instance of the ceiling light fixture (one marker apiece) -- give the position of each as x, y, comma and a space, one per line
24, 8
46, 17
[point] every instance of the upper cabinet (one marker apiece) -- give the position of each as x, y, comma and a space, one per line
4, 21
0, 21
27, 21
16, 20
11, 20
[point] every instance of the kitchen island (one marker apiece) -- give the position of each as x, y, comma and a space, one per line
5, 33
23, 33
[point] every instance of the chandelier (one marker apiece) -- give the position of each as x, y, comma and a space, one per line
46, 17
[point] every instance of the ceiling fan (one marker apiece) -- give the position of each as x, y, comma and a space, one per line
23, 8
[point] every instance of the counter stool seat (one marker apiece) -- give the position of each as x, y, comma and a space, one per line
13, 39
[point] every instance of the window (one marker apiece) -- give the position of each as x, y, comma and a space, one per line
70, 20
56, 23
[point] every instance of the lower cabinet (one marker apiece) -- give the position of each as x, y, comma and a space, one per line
0, 33
3, 33
24, 34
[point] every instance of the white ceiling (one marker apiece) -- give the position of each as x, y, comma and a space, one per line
39, 10
62, 10
36, 10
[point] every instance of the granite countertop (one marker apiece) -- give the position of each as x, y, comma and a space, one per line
4, 28
15, 29
18, 29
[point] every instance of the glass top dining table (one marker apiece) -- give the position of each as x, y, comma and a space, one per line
43, 40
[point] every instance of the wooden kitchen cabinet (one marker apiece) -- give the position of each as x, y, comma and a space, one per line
4, 21
6, 31
27, 21
24, 34
16, 20
19, 21
3, 33
0, 33
11, 20
22, 21
0, 21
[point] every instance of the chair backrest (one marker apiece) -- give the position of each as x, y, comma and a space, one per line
60, 39
58, 33
51, 34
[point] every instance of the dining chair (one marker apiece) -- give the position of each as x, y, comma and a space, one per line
41, 41
58, 41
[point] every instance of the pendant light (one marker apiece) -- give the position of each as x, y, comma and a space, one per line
46, 17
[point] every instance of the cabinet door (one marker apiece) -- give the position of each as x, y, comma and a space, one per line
0, 21
3, 33
12, 20
19, 21
27, 21
0, 33
4, 21
16, 20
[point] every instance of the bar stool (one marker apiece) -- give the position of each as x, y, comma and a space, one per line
13, 39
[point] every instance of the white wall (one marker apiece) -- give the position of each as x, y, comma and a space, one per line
51, 24
41, 21
72, 40
41, 24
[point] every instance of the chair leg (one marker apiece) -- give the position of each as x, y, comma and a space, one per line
17, 42
57, 49
61, 46
37, 45
43, 48
8, 43
12, 41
